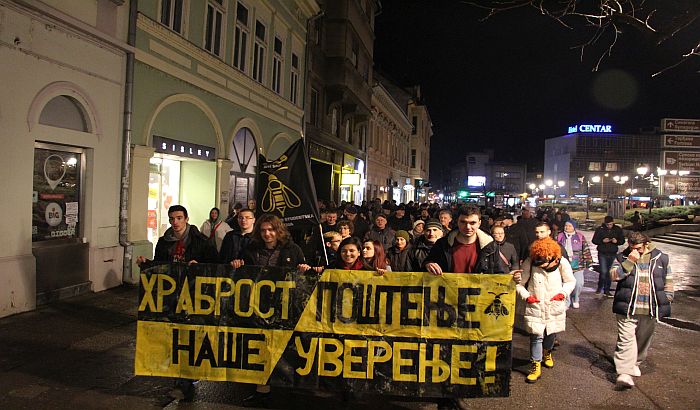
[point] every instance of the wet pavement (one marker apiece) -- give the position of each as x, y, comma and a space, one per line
79, 353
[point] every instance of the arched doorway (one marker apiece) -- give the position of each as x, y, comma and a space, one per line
244, 158
59, 204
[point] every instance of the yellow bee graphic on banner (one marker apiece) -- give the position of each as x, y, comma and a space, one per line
278, 196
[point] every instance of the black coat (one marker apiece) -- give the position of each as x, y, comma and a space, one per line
441, 252
603, 232
400, 261
197, 247
420, 250
290, 255
490, 260
233, 245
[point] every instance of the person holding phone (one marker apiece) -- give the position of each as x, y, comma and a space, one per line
643, 296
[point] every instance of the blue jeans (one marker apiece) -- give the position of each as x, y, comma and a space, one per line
574, 297
605, 261
538, 342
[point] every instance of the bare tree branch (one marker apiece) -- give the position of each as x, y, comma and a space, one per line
608, 17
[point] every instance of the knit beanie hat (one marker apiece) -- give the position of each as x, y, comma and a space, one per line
418, 222
403, 234
433, 223
572, 222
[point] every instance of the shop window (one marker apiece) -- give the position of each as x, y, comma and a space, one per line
163, 191
57, 189
65, 112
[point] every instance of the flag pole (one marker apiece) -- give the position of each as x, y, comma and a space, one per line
323, 244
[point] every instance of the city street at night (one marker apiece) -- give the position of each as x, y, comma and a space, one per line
79, 353
217, 204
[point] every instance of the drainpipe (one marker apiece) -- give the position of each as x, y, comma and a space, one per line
126, 146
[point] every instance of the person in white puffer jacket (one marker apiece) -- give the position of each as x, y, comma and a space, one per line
547, 279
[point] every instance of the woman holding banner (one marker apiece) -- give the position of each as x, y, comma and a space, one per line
373, 252
547, 280
350, 251
271, 245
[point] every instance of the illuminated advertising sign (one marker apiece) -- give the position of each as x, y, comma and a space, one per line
476, 181
595, 128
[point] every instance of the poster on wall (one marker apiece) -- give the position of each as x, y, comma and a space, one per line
56, 196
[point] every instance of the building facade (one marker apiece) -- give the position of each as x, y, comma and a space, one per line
389, 148
63, 69
481, 179
217, 82
602, 164
339, 97
421, 134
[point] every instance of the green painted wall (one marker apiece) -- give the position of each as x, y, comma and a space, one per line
152, 86
197, 189
184, 121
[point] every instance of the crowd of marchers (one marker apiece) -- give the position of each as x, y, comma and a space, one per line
540, 248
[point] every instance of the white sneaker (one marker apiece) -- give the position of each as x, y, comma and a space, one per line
575, 305
625, 381
636, 372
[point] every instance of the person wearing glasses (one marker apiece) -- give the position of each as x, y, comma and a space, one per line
643, 296
332, 240
236, 241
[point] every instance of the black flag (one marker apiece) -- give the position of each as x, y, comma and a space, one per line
286, 188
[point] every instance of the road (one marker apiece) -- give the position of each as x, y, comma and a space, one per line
79, 353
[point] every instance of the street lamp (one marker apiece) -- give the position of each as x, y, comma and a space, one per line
559, 184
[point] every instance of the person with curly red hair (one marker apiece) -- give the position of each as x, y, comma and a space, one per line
547, 279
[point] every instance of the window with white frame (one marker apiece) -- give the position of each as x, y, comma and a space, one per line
294, 80
172, 14
259, 52
611, 166
594, 166
240, 37
277, 66
214, 26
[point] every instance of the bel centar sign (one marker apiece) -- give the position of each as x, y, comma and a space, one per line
590, 128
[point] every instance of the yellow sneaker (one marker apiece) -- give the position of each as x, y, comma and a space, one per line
535, 372
547, 359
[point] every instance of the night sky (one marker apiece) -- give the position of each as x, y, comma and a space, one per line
517, 79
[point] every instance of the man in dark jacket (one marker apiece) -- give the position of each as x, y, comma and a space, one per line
458, 252
181, 242
360, 226
381, 232
400, 221
608, 237
643, 296
235, 242
422, 246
